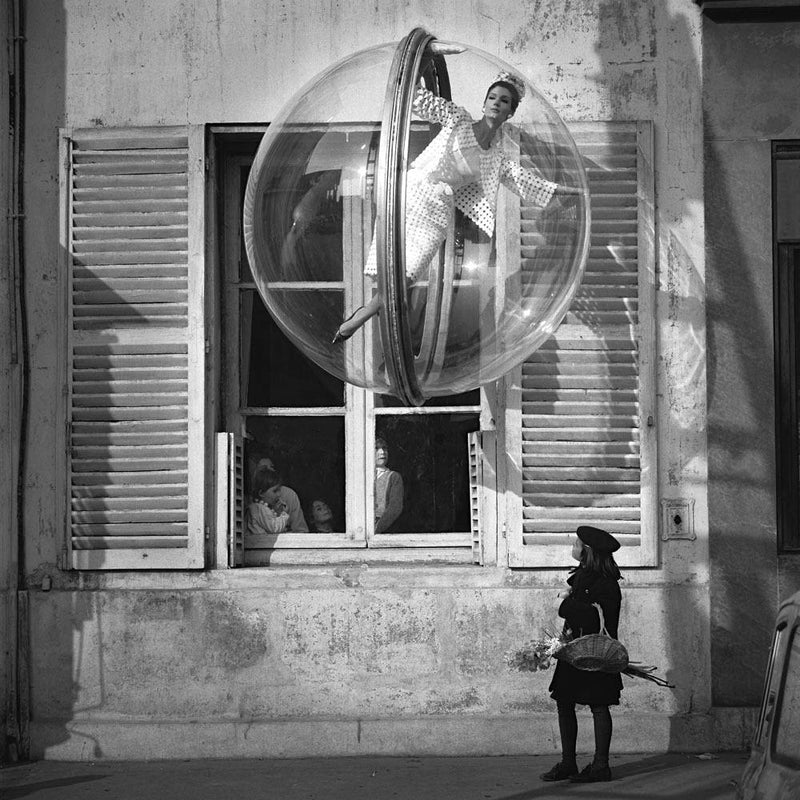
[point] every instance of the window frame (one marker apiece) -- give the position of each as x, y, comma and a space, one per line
499, 406
360, 412
786, 304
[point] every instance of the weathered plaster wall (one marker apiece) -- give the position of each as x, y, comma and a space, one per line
370, 659
404, 659
750, 78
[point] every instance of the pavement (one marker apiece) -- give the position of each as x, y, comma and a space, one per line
673, 776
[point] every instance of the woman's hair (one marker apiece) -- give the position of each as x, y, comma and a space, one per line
265, 478
599, 561
515, 98
380, 442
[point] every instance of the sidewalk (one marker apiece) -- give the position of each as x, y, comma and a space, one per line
636, 777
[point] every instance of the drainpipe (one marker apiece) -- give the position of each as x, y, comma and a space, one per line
17, 744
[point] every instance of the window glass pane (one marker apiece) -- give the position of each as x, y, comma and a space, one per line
430, 453
273, 372
472, 398
312, 200
787, 199
787, 338
245, 274
308, 453
787, 739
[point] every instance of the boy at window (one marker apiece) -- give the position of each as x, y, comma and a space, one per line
388, 490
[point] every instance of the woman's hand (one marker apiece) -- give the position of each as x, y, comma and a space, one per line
279, 507
563, 197
437, 48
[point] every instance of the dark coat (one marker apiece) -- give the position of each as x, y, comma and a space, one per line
580, 686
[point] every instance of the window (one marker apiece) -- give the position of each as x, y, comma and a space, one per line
786, 259
179, 383
319, 433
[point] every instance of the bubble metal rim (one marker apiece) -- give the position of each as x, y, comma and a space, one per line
390, 222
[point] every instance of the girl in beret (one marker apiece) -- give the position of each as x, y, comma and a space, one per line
594, 580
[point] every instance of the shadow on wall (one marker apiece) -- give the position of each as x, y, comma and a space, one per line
67, 668
67, 647
741, 389
742, 602
41, 519
129, 400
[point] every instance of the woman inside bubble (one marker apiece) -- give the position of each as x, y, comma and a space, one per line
461, 168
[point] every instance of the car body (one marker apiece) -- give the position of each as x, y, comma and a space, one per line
773, 769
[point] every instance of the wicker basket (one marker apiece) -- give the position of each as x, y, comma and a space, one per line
595, 652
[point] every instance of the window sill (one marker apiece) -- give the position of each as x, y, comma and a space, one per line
273, 541
358, 555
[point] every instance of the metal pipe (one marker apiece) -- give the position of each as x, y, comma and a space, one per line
18, 736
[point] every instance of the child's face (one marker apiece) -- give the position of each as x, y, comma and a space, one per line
271, 495
320, 511
577, 549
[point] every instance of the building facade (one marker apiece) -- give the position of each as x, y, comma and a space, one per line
145, 382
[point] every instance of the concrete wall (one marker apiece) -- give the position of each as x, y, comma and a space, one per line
750, 76
369, 658
360, 660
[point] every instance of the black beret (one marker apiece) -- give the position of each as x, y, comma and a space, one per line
597, 539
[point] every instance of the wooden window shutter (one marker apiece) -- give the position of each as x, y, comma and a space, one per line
581, 410
475, 494
230, 500
132, 234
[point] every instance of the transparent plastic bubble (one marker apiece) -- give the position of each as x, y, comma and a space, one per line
355, 192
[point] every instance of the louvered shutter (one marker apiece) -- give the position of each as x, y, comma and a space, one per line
230, 499
475, 494
134, 260
582, 408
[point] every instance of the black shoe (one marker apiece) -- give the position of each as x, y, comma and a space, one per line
560, 772
592, 774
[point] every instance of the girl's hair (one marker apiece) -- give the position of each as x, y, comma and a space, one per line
265, 478
511, 88
599, 561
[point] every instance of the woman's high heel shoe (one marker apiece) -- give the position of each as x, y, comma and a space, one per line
340, 336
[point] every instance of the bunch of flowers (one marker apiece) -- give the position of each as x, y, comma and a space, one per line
537, 654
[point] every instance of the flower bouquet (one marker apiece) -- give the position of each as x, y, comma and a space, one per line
537, 654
